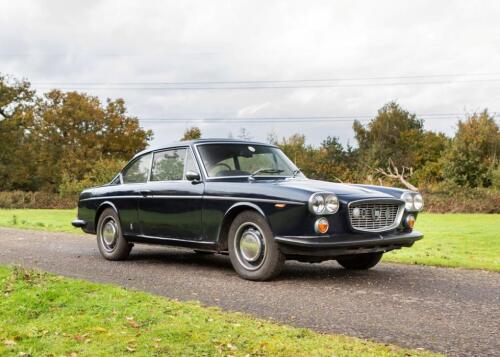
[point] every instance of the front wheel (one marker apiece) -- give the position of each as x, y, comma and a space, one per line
254, 253
360, 261
110, 241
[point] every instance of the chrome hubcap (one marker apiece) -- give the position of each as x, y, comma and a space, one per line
109, 233
250, 246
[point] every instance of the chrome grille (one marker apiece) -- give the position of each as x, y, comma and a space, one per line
374, 216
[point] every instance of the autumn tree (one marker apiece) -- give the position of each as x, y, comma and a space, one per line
191, 134
475, 151
73, 130
16, 116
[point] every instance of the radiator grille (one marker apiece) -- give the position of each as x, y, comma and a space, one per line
374, 217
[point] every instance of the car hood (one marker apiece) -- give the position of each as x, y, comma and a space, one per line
342, 190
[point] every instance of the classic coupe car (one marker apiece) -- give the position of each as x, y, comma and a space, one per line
248, 200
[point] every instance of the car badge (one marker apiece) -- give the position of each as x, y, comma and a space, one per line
376, 213
251, 148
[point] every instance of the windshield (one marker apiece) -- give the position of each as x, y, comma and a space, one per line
222, 160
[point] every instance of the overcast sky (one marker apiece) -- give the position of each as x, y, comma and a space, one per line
337, 60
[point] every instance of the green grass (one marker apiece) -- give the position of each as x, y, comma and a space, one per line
54, 220
451, 240
43, 314
454, 240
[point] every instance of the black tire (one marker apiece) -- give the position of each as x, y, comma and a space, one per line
267, 260
111, 249
360, 261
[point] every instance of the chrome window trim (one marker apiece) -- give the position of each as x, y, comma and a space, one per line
397, 220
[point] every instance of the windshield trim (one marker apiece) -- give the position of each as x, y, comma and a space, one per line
208, 177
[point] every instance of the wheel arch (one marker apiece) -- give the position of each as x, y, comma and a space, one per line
229, 216
101, 208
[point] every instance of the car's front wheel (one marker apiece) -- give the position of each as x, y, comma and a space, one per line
254, 253
360, 261
110, 241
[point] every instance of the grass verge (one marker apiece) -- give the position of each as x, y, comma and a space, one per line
54, 220
43, 314
454, 240
469, 241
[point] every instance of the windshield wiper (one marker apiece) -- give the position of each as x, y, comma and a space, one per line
266, 171
296, 172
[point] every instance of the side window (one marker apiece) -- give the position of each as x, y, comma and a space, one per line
191, 163
168, 165
138, 171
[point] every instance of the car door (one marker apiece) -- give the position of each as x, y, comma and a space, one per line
171, 207
126, 195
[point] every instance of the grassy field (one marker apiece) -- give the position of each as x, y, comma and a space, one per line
454, 240
451, 240
55, 220
44, 314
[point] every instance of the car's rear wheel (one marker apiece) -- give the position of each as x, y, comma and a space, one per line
110, 241
254, 253
360, 261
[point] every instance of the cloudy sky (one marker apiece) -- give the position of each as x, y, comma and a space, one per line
269, 66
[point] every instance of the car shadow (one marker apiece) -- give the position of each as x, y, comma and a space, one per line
292, 271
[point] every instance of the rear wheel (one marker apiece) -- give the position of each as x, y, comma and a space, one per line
360, 261
110, 241
254, 253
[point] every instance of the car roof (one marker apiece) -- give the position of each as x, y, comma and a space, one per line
200, 141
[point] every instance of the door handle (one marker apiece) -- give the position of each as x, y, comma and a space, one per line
145, 192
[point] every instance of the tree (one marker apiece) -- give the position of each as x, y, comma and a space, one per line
333, 162
191, 133
394, 134
72, 131
16, 116
475, 151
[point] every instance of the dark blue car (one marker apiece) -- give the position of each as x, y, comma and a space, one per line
248, 200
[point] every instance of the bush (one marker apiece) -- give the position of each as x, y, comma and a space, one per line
450, 198
101, 173
21, 199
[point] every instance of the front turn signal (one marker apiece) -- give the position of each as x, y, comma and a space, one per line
321, 225
410, 221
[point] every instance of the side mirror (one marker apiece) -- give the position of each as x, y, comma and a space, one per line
193, 176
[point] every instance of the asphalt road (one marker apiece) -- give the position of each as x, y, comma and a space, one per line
447, 310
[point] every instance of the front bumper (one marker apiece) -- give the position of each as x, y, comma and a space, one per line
346, 244
79, 223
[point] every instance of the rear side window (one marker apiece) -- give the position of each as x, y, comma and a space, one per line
168, 165
138, 171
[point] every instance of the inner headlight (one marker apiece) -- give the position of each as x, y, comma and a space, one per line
317, 203
408, 198
331, 203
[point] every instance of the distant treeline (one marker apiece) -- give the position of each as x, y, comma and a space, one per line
60, 142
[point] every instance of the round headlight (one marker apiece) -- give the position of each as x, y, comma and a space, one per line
418, 201
331, 203
317, 203
408, 198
